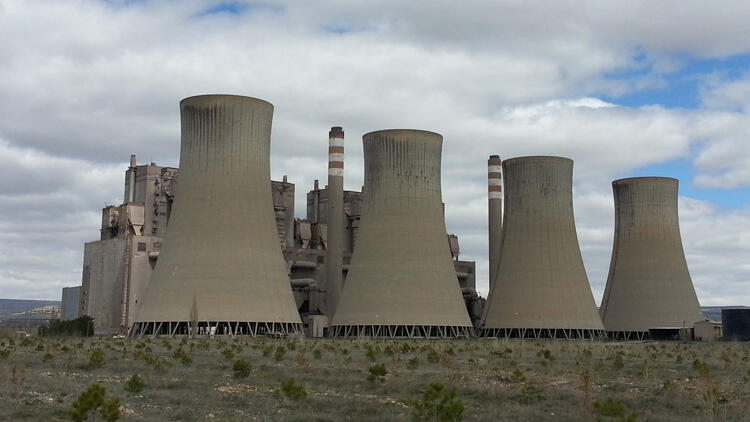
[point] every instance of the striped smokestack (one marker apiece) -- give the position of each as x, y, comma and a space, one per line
495, 212
335, 217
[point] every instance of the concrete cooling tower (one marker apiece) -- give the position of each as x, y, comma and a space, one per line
221, 269
402, 282
540, 288
648, 284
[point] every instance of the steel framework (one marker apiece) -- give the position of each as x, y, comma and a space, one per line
211, 328
628, 335
401, 331
542, 333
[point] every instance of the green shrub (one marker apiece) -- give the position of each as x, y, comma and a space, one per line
317, 354
433, 356
110, 409
278, 356
241, 368
438, 403
618, 363
377, 373
183, 356
135, 384
613, 410
4, 354
371, 354
530, 395
47, 357
96, 358
82, 326
228, 354
292, 390
87, 401
413, 363
517, 376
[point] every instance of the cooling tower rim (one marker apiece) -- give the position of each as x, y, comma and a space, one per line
393, 132
209, 97
538, 158
644, 179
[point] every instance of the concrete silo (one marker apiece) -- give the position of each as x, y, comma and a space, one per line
649, 283
401, 282
220, 269
540, 288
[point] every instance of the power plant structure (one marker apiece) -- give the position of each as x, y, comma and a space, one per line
401, 281
117, 268
494, 212
540, 289
212, 276
649, 284
377, 263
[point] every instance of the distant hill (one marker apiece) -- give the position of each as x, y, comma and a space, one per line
714, 312
13, 306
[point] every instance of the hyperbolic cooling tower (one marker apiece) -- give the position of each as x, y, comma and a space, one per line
402, 282
221, 266
649, 284
540, 288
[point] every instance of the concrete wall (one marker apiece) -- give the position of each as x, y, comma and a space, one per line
69, 303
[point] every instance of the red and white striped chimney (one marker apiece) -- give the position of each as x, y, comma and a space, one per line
335, 219
495, 209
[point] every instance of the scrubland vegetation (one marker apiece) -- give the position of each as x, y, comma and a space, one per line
246, 379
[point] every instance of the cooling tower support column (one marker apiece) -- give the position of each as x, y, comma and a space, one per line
649, 283
221, 270
495, 212
540, 289
335, 218
401, 282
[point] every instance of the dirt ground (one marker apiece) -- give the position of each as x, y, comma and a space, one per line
495, 380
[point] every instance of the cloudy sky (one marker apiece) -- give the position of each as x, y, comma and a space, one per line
629, 88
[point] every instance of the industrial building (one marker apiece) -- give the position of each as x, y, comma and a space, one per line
69, 303
540, 288
402, 281
118, 267
649, 283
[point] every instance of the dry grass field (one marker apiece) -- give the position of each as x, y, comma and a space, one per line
372, 380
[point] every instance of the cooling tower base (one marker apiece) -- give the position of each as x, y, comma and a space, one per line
541, 333
211, 328
401, 331
628, 335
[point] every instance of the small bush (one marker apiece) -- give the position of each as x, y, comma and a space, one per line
47, 357
371, 354
433, 356
87, 401
292, 390
135, 384
438, 403
517, 376
110, 409
241, 368
530, 395
317, 354
377, 373
611, 408
96, 359
413, 363
183, 356
4, 354
278, 356
228, 354
618, 363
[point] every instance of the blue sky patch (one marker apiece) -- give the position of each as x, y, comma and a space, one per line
682, 169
